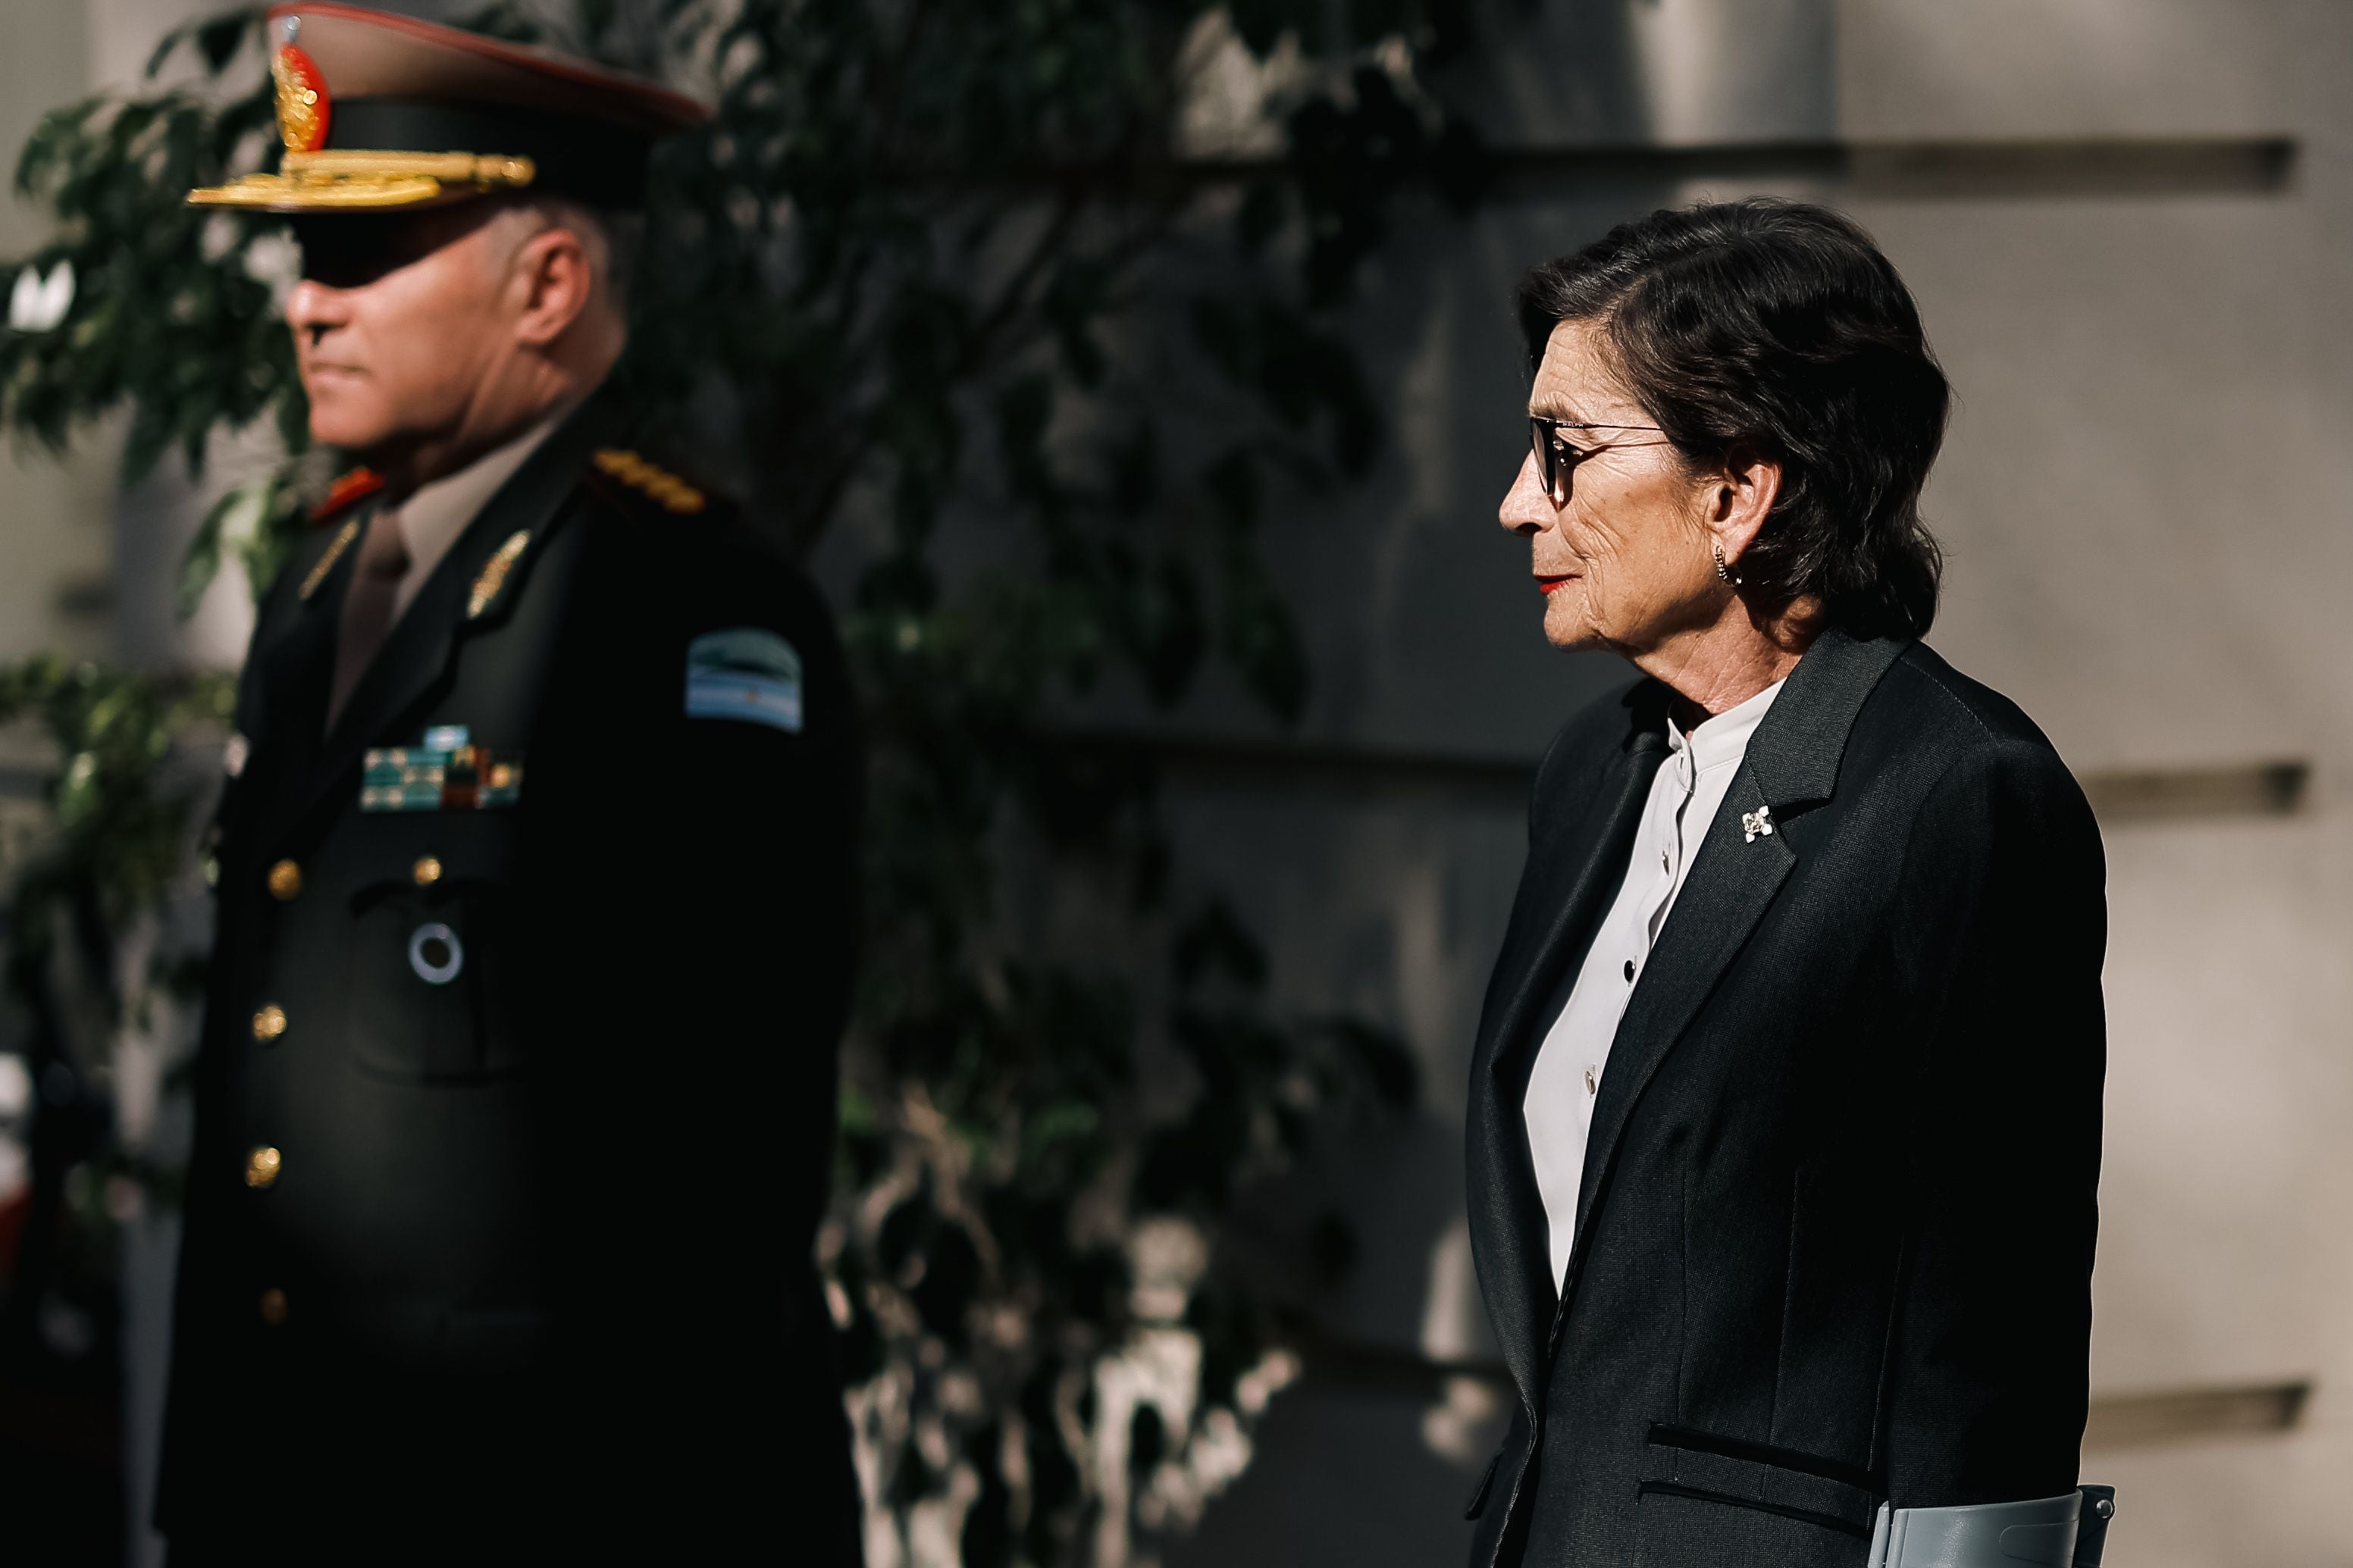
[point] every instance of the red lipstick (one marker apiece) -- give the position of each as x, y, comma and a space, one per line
1547, 584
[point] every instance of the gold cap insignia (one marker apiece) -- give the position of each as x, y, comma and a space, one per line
302, 107
363, 180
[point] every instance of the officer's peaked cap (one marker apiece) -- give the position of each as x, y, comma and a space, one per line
381, 111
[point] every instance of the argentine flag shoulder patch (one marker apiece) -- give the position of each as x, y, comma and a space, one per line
745, 673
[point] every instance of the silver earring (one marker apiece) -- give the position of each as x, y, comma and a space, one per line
1725, 571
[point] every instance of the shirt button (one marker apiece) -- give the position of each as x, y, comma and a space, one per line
273, 1306
1630, 971
261, 1167
1592, 1081
285, 881
268, 1023
426, 871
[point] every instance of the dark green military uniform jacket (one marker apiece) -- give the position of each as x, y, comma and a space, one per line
515, 1102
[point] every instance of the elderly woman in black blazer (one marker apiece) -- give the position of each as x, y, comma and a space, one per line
1785, 1116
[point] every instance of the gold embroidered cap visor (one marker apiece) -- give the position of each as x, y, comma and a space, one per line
381, 112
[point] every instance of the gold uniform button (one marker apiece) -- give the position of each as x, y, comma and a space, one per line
262, 1166
273, 1306
268, 1023
427, 870
285, 880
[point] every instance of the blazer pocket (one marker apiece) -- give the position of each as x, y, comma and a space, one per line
1794, 1461
1702, 1494
1679, 1526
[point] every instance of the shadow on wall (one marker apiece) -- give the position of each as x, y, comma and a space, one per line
1356, 1462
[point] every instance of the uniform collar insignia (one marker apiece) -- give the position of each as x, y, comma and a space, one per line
350, 532
357, 485
493, 580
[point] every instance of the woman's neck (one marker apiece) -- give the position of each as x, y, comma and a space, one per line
1714, 669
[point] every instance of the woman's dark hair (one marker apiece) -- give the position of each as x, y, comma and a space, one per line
1778, 327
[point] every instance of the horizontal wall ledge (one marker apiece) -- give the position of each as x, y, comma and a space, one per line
2169, 1416
2120, 796
1317, 767
2126, 796
1897, 169
1930, 169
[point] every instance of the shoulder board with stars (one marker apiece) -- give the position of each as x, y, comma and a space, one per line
658, 485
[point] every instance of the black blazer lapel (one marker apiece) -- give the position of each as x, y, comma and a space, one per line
416, 660
1791, 765
1568, 884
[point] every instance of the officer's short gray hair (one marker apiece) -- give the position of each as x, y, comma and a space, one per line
614, 240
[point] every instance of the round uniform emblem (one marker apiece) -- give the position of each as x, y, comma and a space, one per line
436, 954
301, 100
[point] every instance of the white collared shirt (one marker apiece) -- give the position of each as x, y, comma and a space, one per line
435, 514
1684, 794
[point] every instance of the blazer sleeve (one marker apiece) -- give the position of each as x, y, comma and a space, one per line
2000, 932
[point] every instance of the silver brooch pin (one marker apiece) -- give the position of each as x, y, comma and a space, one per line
1757, 824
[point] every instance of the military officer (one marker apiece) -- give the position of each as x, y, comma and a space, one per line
535, 869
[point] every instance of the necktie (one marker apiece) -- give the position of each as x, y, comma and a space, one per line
367, 606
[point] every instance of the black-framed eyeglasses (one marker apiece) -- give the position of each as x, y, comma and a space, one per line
1556, 459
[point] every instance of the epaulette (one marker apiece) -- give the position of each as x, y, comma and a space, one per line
353, 487
658, 485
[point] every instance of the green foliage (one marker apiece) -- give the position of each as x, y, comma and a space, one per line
120, 813
255, 523
169, 319
938, 292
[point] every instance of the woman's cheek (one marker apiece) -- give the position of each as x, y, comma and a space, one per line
1569, 615
1592, 605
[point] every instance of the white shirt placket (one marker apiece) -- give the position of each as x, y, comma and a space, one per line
1566, 1079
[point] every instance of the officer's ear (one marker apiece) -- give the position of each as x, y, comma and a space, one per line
554, 279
